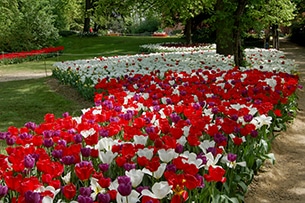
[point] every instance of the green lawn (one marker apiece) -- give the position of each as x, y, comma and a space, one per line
30, 100
77, 48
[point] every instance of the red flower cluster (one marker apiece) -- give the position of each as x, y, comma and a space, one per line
25, 54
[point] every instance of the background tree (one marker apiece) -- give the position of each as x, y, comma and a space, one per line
31, 27
67, 14
8, 14
111, 15
274, 14
185, 12
234, 18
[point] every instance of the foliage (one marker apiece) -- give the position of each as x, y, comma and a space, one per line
204, 35
67, 14
9, 13
32, 27
149, 25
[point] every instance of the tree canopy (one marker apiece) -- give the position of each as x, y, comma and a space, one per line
26, 24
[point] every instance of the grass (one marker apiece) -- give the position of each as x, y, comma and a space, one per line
76, 48
29, 100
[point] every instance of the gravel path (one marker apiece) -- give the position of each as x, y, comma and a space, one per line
4, 77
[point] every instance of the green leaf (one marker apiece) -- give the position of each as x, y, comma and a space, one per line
271, 157
243, 186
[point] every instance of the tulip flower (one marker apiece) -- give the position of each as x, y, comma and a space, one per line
159, 190
136, 177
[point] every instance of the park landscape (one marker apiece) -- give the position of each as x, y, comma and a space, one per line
146, 119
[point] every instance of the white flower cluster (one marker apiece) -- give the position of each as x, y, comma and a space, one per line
114, 67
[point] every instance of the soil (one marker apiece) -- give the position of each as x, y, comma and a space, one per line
283, 182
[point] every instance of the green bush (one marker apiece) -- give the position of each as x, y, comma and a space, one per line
204, 35
148, 26
32, 27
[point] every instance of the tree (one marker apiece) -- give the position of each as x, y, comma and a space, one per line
184, 11
67, 14
88, 13
29, 25
233, 18
277, 13
8, 14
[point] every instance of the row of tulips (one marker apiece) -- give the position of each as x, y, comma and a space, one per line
157, 133
18, 57
85, 74
174, 47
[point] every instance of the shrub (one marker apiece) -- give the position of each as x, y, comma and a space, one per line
204, 35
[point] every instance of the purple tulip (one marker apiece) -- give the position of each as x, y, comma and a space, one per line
65, 115
215, 110
86, 151
68, 160
78, 138
62, 142
232, 157
48, 143
25, 136
129, 166
104, 133
10, 140
84, 199
103, 198
31, 125
203, 158
29, 161
171, 167
3, 135
3, 190
48, 133
125, 189
248, 118
103, 167
140, 188
85, 191
200, 178
179, 148
254, 133
57, 153
125, 185
32, 197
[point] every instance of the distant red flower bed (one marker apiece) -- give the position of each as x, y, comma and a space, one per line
25, 54
159, 34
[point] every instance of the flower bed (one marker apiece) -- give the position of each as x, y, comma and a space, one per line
175, 47
159, 34
18, 57
170, 127
85, 74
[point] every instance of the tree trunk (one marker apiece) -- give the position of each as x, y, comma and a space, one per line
275, 37
87, 16
224, 32
188, 31
237, 49
86, 25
